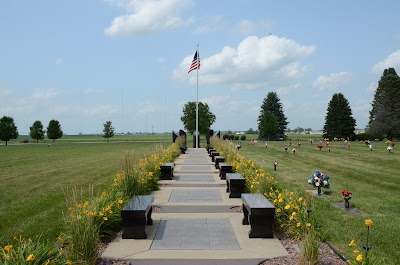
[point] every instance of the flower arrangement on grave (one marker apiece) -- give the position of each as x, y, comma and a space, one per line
346, 196
319, 180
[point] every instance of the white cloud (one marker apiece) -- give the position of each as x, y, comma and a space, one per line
288, 89
147, 16
45, 94
253, 64
372, 88
90, 91
393, 60
211, 24
59, 61
149, 107
333, 81
101, 110
216, 101
246, 26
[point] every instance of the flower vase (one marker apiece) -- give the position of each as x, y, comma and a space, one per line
346, 203
319, 189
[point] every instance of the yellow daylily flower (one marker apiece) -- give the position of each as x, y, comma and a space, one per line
30, 257
298, 225
308, 225
287, 207
356, 251
8, 247
368, 222
359, 257
352, 243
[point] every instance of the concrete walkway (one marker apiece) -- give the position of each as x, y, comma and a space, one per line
195, 222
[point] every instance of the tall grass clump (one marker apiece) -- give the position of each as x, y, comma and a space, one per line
94, 218
25, 251
309, 248
82, 232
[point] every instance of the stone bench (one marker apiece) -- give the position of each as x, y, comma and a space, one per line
235, 183
217, 160
213, 155
211, 150
223, 169
135, 215
209, 147
260, 213
167, 171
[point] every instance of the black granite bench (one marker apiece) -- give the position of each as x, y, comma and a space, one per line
217, 160
211, 150
223, 169
235, 183
213, 155
209, 147
260, 213
167, 171
135, 215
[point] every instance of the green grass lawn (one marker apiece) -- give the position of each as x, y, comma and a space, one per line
372, 176
34, 177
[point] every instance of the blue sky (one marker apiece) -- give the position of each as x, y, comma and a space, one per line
86, 62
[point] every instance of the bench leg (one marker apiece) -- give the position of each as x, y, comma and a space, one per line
149, 221
223, 174
261, 227
227, 186
236, 190
245, 220
134, 227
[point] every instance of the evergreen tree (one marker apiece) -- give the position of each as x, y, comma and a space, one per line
108, 130
269, 125
385, 114
36, 131
339, 121
206, 117
271, 105
54, 130
8, 129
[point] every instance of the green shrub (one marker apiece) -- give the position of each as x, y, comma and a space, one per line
225, 137
243, 137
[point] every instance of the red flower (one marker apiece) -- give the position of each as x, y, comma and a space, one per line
346, 193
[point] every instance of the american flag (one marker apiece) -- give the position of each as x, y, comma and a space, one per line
195, 63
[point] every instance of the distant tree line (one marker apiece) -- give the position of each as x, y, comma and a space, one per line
9, 131
384, 118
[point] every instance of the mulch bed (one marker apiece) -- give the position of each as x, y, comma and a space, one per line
327, 254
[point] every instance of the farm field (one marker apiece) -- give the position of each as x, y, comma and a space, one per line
372, 176
34, 179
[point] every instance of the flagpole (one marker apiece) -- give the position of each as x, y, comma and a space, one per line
197, 101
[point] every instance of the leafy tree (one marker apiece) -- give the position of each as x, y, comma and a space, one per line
385, 114
8, 129
269, 125
271, 104
251, 131
108, 130
54, 130
339, 121
36, 131
206, 117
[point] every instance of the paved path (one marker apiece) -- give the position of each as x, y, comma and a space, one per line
195, 222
